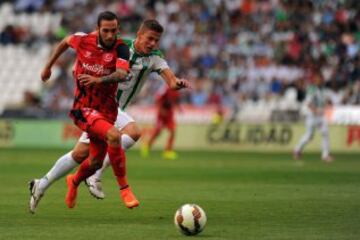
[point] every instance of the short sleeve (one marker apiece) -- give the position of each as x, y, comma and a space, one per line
123, 55
159, 64
75, 39
123, 52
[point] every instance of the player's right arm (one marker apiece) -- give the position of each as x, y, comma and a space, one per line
60, 48
162, 68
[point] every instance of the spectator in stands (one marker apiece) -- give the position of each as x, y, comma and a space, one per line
31, 100
8, 35
287, 37
354, 98
199, 95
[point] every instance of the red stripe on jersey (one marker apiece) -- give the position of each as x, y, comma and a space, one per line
123, 64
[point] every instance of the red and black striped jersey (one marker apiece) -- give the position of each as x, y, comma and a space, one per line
94, 60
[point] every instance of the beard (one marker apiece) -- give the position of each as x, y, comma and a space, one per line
104, 45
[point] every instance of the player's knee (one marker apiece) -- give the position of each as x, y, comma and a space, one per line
97, 165
172, 132
310, 138
133, 131
310, 135
136, 135
79, 156
113, 136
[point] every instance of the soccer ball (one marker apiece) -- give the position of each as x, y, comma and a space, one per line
190, 219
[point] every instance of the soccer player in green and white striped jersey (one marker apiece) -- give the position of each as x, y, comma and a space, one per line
144, 59
316, 101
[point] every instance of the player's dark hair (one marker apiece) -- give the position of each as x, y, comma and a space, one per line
151, 24
108, 16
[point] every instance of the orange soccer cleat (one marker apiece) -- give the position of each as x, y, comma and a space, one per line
129, 198
71, 194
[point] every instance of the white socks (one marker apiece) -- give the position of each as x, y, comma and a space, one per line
325, 143
126, 143
66, 163
61, 167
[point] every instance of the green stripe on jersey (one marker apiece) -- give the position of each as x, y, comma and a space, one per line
118, 95
157, 53
133, 59
120, 92
128, 42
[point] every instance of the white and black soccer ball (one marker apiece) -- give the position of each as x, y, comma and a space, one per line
190, 219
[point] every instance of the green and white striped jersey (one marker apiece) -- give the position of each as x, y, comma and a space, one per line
141, 65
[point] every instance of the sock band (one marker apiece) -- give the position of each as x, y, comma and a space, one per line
124, 187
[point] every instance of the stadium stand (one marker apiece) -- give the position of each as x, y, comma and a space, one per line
259, 55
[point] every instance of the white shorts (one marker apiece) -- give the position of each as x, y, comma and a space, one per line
122, 120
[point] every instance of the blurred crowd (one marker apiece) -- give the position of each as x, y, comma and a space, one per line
233, 51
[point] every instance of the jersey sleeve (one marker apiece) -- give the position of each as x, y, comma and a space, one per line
123, 55
75, 39
159, 63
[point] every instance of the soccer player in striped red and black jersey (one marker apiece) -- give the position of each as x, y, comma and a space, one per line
101, 59
166, 101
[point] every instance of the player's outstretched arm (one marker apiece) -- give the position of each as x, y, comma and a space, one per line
60, 48
174, 82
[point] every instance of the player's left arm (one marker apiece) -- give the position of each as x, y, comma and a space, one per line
121, 74
172, 81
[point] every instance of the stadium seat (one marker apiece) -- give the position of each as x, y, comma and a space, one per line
20, 73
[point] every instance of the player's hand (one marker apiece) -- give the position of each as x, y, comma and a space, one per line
182, 83
88, 80
45, 74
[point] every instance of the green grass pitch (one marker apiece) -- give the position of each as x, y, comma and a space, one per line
245, 196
